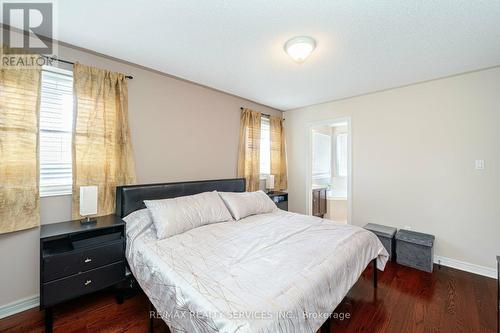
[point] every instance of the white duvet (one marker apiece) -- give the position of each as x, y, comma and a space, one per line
277, 272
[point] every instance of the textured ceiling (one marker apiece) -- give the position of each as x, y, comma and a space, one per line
237, 46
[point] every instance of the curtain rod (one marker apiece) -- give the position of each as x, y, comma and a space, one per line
72, 63
263, 114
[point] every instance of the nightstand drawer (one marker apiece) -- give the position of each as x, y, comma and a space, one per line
83, 283
68, 263
283, 205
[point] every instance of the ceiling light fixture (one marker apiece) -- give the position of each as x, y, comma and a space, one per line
299, 48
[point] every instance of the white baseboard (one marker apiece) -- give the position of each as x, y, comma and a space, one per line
465, 266
19, 306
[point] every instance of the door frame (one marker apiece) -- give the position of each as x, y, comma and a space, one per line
329, 122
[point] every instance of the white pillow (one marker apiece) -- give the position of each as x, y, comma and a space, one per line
137, 222
245, 204
177, 215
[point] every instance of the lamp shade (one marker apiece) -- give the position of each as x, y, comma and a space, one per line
88, 200
270, 182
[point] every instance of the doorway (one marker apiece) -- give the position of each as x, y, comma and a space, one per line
329, 169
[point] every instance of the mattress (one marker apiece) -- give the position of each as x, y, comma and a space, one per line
276, 272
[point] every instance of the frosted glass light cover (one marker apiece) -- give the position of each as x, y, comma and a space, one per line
88, 200
299, 48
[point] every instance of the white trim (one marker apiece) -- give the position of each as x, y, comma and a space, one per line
465, 266
332, 122
20, 305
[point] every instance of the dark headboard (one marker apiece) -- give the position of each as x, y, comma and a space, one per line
130, 198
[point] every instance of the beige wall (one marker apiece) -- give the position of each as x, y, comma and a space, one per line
413, 160
180, 131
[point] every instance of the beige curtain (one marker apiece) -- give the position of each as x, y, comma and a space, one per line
249, 149
19, 100
278, 154
102, 152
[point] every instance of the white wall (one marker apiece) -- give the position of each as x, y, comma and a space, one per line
413, 160
180, 131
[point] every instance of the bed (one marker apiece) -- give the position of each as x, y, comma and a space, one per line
274, 272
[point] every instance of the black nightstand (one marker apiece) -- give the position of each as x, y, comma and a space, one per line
279, 198
79, 259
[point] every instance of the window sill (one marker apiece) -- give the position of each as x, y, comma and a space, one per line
55, 195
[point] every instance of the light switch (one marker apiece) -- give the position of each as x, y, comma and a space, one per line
479, 164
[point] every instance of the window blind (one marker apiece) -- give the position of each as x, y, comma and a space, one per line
265, 146
322, 152
342, 155
56, 123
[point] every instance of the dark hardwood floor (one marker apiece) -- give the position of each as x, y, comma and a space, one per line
406, 300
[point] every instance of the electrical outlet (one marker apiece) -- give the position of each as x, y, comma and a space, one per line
479, 164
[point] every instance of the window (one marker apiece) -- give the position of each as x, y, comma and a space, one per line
265, 147
56, 123
322, 153
341, 155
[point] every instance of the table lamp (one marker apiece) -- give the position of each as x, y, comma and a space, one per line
88, 203
270, 183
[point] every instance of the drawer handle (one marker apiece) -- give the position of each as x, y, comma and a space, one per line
88, 282
87, 260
